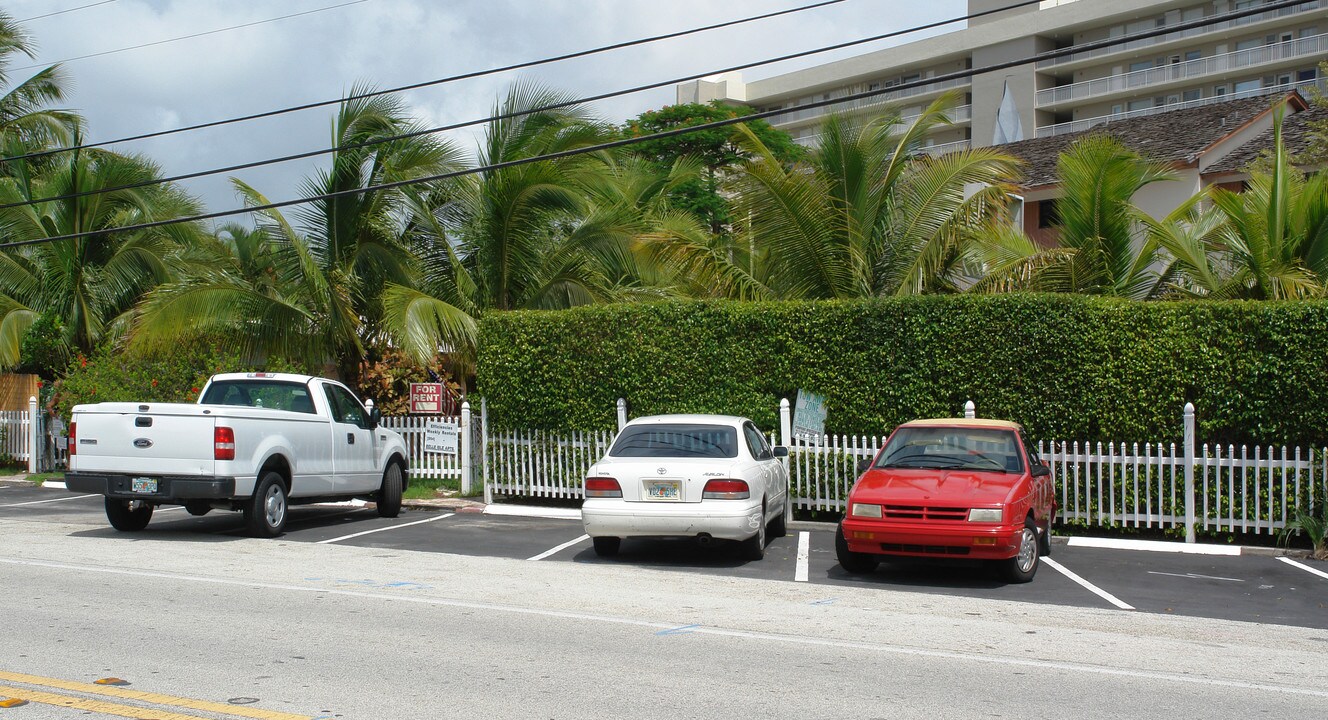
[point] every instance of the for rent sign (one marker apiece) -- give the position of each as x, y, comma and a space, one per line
426, 398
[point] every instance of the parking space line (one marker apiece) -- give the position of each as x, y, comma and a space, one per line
50, 500
1153, 545
804, 541
1304, 567
564, 546
383, 529
1087, 585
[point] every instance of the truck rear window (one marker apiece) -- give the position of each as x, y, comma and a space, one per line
261, 394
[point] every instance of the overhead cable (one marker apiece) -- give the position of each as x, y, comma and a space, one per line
515, 114
945, 77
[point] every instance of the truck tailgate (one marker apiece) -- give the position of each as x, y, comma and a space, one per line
143, 439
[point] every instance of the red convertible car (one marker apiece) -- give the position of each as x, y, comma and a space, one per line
951, 488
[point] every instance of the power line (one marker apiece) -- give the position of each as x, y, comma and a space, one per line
190, 37
957, 75
507, 116
62, 12
426, 83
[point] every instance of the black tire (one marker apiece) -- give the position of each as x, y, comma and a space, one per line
266, 511
607, 546
853, 562
197, 508
128, 515
1045, 538
389, 496
1023, 566
753, 548
778, 527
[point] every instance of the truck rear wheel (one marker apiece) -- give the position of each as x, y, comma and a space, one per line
265, 514
389, 496
128, 515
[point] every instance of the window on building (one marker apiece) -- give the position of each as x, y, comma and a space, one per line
1140, 104
1141, 65
1248, 85
1191, 95
1193, 55
1219, 90
1048, 214
1248, 44
1305, 75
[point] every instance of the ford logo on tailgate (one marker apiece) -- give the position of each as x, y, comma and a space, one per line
142, 443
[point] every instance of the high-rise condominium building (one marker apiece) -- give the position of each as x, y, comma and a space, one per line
1270, 51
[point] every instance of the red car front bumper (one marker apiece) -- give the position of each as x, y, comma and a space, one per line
957, 540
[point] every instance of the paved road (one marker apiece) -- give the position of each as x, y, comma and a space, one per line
430, 615
1251, 587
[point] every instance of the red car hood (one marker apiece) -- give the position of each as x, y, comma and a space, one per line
925, 486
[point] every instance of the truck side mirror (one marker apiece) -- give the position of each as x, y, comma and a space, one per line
375, 417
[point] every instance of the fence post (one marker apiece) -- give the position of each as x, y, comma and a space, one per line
466, 461
34, 430
622, 413
970, 410
1189, 472
786, 439
484, 450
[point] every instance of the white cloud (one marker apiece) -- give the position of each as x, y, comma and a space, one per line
390, 43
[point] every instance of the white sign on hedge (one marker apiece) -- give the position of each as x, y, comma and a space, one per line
442, 437
809, 414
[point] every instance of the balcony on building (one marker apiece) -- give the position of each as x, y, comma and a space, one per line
1157, 80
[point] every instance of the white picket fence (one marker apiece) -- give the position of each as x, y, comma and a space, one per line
424, 464
1150, 485
15, 435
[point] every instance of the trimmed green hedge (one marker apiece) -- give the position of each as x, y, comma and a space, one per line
1067, 367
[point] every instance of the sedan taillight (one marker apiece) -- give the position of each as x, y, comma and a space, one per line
73, 439
223, 441
603, 487
726, 490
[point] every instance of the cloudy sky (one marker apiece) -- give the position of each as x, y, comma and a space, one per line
389, 43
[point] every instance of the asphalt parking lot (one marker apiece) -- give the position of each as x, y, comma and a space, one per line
1252, 586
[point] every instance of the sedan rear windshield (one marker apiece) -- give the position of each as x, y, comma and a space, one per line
676, 441
953, 448
260, 393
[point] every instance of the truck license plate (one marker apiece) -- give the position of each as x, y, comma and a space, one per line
143, 485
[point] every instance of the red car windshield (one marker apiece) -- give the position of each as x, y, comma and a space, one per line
953, 448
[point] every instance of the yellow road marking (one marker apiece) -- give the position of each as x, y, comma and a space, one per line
96, 706
146, 697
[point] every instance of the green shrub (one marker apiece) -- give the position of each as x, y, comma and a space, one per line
176, 375
1067, 367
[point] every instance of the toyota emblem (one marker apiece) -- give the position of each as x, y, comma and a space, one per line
662, 471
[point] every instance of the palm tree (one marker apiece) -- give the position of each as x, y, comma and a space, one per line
539, 235
90, 283
1102, 247
1267, 243
867, 214
26, 122
319, 293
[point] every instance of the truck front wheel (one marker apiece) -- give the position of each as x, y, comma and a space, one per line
266, 512
128, 515
389, 496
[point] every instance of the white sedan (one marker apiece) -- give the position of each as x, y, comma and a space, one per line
704, 476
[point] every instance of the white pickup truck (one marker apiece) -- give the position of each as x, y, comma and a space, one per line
256, 442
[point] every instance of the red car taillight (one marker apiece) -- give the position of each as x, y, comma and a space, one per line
602, 487
726, 490
223, 441
73, 441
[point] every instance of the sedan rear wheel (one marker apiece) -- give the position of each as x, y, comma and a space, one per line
854, 562
753, 548
1023, 566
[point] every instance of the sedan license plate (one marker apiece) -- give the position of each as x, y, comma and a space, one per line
664, 490
143, 485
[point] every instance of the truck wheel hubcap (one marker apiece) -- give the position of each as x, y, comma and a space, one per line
275, 506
